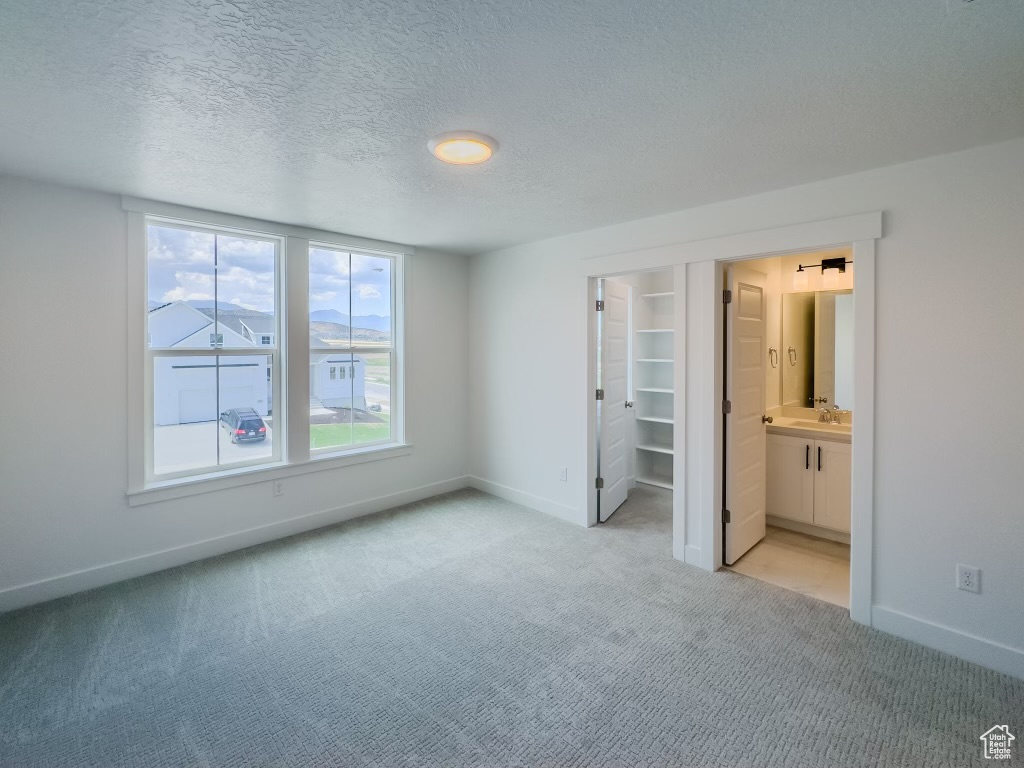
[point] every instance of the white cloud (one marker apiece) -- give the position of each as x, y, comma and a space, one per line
368, 292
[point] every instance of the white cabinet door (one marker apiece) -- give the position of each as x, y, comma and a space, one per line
832, 485
791, 478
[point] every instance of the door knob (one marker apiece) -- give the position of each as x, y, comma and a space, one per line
766, 419
629, 403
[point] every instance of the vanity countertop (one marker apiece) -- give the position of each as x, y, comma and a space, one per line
784, 425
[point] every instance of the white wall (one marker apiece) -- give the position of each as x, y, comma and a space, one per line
949, 367
63, 452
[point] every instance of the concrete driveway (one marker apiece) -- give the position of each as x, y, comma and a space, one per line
179, 447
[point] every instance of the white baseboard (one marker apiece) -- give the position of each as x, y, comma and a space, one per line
691, 555
101, 575
1001, 658
546, 506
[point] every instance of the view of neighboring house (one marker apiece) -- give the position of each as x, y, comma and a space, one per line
186, 388
336, 380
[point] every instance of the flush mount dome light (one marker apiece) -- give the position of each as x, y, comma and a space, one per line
462, 147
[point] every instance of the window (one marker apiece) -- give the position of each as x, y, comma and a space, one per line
202, 283
213, 373
351, 324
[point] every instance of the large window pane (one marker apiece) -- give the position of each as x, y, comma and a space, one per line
350, 298
210, 290
211, 411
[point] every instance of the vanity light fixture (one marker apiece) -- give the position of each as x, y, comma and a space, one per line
830, 268
462, 147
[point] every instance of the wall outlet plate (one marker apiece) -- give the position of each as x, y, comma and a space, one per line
968, 578
278, 487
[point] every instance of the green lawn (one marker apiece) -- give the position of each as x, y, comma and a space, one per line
336, 435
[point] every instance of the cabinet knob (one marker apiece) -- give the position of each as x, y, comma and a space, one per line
766, 419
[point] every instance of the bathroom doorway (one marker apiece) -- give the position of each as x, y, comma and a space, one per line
787, 420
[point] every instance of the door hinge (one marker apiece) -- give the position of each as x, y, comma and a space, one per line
599, 395
727, 296
600, 305
599, 483
726, 516
726, 406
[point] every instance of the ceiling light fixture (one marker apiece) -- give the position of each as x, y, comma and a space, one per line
462, 147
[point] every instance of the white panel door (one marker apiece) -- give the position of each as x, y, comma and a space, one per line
790, 477
745, 465
832, 491
613, 362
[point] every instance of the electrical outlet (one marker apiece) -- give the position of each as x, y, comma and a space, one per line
564, 477
968, 578
279, 487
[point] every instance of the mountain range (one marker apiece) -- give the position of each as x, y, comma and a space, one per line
368, 322
371, 322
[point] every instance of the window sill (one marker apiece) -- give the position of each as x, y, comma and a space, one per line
192, 486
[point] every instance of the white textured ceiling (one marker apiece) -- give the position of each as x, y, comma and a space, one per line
317, 112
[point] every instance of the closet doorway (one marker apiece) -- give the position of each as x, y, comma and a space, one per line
635, 394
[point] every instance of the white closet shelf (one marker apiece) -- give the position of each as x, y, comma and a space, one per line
656, 449
657, 481
661, 295
654, 330
655, 419
655, 389
655, 360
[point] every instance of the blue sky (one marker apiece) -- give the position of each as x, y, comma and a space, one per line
181, 267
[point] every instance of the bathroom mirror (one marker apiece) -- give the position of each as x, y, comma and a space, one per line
816, 358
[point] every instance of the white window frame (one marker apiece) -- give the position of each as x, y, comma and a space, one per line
354, 349
291, 393
215, 352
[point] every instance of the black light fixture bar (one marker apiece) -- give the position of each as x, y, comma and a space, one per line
838, 262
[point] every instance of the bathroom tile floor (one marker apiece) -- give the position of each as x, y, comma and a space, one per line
805, 564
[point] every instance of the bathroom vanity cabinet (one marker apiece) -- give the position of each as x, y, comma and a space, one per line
809, 481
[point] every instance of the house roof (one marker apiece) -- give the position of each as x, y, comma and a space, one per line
260, 324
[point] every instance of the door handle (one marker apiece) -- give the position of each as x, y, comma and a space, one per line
819, 458
629, 403
766, 419
807, 457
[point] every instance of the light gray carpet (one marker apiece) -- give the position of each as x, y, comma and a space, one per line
465, 630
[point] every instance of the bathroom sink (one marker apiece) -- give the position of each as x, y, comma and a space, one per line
809, 424
821, 426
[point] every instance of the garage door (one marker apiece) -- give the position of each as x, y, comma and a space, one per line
197, 405
237, 397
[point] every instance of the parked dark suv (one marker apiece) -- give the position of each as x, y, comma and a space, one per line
243, 424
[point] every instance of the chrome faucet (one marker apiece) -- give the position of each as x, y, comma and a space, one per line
825, 416
837, 415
